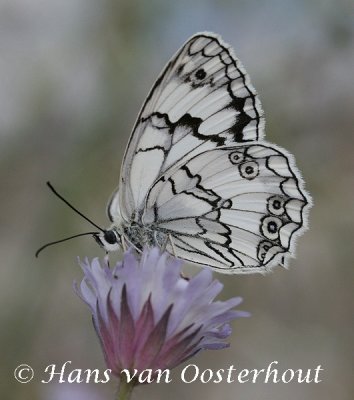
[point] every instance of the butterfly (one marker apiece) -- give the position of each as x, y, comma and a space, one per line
198, 179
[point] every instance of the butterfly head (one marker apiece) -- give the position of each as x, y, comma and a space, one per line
109, 239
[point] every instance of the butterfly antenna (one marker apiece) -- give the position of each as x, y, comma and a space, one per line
64, 240
72, 207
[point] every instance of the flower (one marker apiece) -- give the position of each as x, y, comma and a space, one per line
148, 316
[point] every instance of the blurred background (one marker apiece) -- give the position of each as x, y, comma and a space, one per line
73, 75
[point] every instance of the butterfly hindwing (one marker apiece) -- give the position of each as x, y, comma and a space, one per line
202, 100
235, 208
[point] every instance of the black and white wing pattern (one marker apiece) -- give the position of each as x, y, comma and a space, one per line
236, 209
202, 100
198, 171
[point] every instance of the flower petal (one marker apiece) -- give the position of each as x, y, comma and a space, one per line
154, 342
126, 332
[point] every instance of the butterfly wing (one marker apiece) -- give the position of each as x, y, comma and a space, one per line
236, 209
203, 99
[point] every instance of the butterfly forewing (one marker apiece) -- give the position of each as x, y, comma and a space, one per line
202, 100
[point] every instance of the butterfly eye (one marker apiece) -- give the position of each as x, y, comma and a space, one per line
249, 170
270, 227
276, 205
110, 237
227, 204
236, 157
200, 74
263, 248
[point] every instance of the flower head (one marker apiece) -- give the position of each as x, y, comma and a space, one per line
148, 316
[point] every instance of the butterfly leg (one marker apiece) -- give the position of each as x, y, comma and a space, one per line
124, 243
172, 244
166, 242
170, 239
106, 258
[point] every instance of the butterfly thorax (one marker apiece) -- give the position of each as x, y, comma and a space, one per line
144, 235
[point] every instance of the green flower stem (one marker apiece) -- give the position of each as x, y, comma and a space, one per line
125, 389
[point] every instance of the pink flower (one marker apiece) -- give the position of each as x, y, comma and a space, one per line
149, 317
